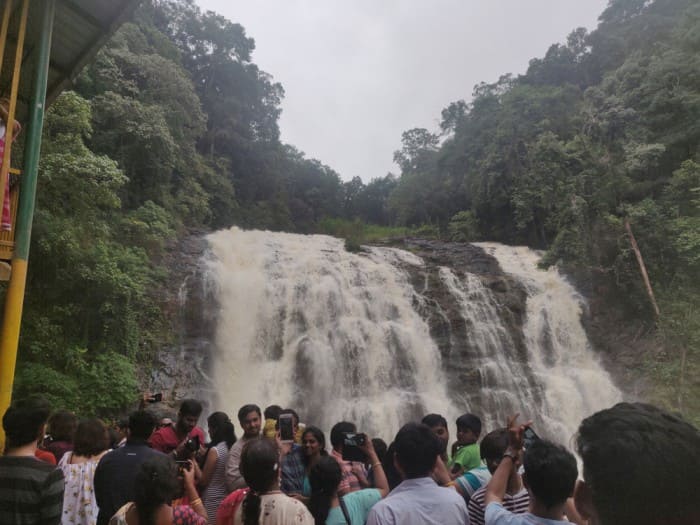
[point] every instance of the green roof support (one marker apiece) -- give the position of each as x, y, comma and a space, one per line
15, 293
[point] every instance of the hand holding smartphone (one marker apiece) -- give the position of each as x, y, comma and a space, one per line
286, 427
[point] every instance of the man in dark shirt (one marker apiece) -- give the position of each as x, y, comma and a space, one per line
31, 490
115, 473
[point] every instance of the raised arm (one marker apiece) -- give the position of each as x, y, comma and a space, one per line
380, 481
496, 489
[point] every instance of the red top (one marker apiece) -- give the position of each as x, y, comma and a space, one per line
45, 455
165, 439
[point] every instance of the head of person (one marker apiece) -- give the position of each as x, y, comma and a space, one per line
416, 449
165, 421
641, 466
91, 438
249, 418
393, 476
221, 429
438, 425
468, 429
492, 448
24, 422
313, 443
338, 434
62, 425
188, 415
550, 473
142, 423
379, 448
156, 483
272, 412
260, 466
121, 427
325, 477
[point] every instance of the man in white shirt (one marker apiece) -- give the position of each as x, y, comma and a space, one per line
418, 500
250, 419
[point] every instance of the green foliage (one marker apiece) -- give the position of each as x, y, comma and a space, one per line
602, 130
106, 385
463, 227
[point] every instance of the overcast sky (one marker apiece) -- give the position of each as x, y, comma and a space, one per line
357, 73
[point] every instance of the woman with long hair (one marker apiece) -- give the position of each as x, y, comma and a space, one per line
262, 503
328, 508
90, 443
313, 443
156, 485
213, 480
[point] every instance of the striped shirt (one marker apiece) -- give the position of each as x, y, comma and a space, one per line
517, 504
31, 492
469, 482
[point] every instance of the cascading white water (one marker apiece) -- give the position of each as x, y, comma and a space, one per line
560, 356
504, 386
337, 335
306, 324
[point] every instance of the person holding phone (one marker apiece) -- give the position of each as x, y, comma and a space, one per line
293, 457
351, 481
157, 484
550, 474
179, 439
327, 507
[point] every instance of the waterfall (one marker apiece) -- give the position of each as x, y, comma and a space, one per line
560, 356
343, 336
333, 334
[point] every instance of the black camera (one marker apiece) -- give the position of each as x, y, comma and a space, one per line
192, 445
351, 447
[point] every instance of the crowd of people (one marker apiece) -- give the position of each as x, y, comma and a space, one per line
641, 466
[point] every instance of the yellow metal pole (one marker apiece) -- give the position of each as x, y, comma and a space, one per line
14, 300
3, 29
10, 124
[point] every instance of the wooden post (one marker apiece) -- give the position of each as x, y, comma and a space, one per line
642, 268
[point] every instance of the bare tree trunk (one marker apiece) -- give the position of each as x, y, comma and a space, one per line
642, 268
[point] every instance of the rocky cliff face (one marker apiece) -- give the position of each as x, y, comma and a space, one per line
445, 316
180, 369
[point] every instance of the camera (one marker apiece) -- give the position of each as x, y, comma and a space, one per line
353, 440
192, 445
351, 447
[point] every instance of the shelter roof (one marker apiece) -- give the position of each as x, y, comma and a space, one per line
80, 28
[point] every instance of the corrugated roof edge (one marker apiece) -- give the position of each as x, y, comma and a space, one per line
66, 82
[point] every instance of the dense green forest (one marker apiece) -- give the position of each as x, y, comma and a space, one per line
173, 127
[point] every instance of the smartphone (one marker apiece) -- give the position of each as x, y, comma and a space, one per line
182, 466
156, 398
286, 425
351, 447
529, 437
